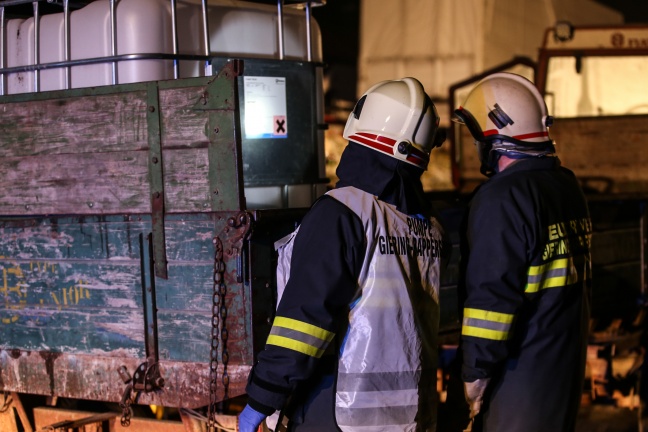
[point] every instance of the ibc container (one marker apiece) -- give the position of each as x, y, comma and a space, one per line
237, 28
243, 29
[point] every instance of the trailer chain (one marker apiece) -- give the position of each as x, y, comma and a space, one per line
125, 405
219, 333
217, 304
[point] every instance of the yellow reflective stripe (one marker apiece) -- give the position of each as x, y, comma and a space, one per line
488, 315
299, 336
303, 327
484, 333
540, 277
555, 264
294, 345
486, 324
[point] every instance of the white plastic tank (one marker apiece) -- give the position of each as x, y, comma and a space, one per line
237, 28
244, 29
20, 52
18, 55
51, 50
142, 27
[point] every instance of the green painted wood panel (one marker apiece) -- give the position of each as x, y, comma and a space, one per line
90, 154
75, 202
74, 285
74, 125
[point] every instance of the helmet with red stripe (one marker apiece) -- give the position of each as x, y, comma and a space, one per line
506, 115
396, 118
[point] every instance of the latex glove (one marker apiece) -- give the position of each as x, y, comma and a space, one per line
474, 392
250, 419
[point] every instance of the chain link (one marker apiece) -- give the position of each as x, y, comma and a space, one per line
127, 412
219, 332
218, 304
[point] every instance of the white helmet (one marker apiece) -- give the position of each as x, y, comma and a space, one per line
396, 118
507, 107
506, 114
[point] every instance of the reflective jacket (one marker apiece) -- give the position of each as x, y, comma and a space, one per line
388, 359
527, 304
383, 328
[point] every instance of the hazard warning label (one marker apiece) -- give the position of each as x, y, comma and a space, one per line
265, 107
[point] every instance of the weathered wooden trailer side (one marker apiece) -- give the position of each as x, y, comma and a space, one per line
122, 236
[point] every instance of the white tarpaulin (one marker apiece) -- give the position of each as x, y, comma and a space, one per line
442, 42
432, 40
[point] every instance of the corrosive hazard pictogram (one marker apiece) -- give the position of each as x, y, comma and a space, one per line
280, 126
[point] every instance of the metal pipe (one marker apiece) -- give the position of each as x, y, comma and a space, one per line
174, 33
67, 53
280, 28
309, 42
205, 19
3, 49
36, 46
113, 39
103, 60
7, 3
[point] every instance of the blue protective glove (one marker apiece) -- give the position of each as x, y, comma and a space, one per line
250, 419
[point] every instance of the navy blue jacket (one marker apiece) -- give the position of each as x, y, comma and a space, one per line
527, 307
327, 257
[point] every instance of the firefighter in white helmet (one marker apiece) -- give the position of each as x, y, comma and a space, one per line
353, 344
527, 267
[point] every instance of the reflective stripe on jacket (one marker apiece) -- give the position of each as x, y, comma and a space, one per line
527, 306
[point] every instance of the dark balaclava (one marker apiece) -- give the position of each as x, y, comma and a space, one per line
392, 181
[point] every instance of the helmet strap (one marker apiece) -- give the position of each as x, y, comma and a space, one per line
488, 158
522, 150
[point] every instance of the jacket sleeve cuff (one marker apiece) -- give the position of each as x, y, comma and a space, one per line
258, 406
471, 374
266, 397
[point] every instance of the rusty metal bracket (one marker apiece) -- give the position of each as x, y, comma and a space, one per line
146, 379
243, 224
156, 178
234, 235
220, 98
221, 91
147, 376
148, 298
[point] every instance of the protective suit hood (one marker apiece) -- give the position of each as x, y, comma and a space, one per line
389, 179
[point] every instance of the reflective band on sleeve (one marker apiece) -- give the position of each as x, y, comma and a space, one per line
299, 336
486, 324
556, 273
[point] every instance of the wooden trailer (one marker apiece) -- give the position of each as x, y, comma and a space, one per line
135, 269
